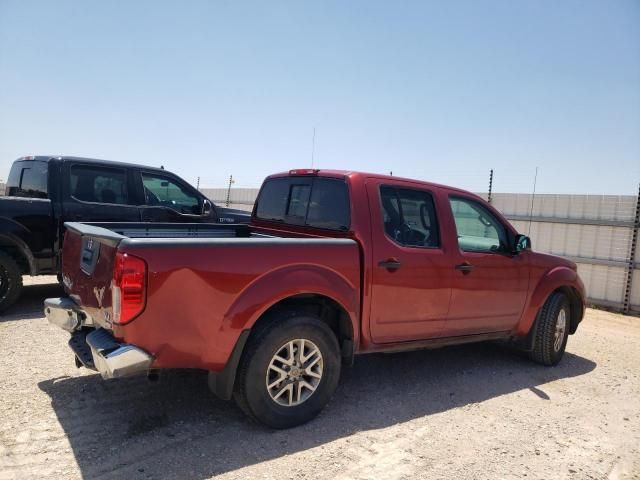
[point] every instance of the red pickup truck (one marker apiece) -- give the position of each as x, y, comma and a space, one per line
333, 264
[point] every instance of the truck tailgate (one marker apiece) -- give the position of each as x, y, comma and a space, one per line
87, 268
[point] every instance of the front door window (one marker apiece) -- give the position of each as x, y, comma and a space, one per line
161, 191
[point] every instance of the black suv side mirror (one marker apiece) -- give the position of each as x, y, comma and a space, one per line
206, 207
522, 243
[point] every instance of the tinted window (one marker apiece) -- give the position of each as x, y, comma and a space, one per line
166, 192
299, 201
329, 205
478, 229
99, 184
273, 199
314, 202
28, 179
409, 217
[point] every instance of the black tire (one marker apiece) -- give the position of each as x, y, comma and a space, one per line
10, 281
251, 392
548, 349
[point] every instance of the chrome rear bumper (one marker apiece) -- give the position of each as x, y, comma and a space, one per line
64, 313
115, 360
111, 358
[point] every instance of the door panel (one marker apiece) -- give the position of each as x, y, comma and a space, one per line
489, 286
490, 297
410, 273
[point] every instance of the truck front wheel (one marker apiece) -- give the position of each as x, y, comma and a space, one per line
10, 281
288, 372
551, 330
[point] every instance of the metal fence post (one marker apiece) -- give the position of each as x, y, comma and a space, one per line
490, 185
231, 182
626, 306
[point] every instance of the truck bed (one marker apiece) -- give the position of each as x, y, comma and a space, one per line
118, 231
205, 284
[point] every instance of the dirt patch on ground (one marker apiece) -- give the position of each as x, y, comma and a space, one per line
475, 411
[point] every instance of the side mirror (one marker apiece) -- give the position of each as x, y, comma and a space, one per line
206, 207
522, 243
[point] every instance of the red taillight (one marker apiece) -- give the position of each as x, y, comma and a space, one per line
128, 287
304, 171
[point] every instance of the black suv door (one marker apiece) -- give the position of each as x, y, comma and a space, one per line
98, 193
166, 198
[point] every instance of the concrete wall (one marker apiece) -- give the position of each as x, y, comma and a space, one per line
240, 198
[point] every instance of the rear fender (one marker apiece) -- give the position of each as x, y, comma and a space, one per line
277, 285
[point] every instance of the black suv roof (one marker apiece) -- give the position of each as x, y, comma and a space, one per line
47, 158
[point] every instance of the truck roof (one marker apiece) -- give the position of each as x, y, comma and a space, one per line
47, 158
355, 175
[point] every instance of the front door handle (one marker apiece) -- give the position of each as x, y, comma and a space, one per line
465, 268
390, 264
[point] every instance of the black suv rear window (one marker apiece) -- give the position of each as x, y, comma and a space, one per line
309, 201
28, 179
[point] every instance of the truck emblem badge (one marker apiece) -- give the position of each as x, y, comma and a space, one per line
99, 293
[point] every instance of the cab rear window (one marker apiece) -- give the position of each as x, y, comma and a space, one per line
308, 201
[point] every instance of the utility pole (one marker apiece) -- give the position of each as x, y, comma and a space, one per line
490, 185
231, 182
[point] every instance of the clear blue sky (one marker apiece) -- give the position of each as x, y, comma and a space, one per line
442, 91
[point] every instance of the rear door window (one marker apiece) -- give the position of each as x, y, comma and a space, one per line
409, 217
99, 184
312, 202
28, 179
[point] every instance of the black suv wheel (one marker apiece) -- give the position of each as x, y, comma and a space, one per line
10, 281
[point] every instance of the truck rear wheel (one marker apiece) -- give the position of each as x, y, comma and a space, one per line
552, 330
10, 281
288, 372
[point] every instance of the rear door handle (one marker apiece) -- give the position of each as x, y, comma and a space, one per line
464, 268
390, 264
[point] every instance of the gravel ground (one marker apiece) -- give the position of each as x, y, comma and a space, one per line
475, 411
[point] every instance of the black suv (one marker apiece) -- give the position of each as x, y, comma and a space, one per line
43, 192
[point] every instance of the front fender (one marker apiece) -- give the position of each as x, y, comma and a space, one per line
555, 278
282, 283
